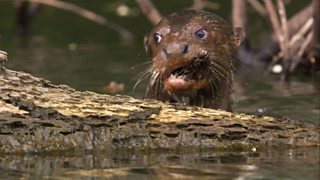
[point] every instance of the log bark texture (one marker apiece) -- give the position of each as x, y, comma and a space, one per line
37, 116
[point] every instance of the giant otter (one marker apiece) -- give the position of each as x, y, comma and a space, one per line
192, 56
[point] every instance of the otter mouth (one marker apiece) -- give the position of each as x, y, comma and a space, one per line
187, 78
190, 71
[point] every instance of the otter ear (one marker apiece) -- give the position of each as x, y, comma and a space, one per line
238, 36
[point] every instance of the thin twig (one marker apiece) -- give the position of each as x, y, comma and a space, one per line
300, 34
274, 21
305, 44
149, 10
297, 40
301, 51
297, 20
239, 14
212, 5
198, 4
284, 43
124, 33
258, 7
276, 27
284, 26
201, 4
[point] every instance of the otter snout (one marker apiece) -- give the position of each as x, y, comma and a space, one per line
174, 49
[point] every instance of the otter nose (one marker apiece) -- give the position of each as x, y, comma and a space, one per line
176, 49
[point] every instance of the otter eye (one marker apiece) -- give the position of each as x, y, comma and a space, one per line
157, 38
201, 34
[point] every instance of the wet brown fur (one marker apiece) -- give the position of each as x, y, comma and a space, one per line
214, 66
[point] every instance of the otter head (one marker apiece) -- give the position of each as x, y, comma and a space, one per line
191, 51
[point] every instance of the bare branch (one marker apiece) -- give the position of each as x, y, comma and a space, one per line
124, 33
149, 10
274, 21
301, 51
297, 21
239, 16
258, 7
301, 33
201, 4
305, 44
284, 26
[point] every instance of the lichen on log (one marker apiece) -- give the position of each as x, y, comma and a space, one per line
37, 116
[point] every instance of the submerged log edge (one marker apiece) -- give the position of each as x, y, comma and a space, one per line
37, 116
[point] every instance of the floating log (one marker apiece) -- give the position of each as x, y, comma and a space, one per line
37, 116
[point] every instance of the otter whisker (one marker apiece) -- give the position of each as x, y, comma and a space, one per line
213, 87
142, 76
154, 76
145, 72
215, 72
144, 63
221, 69
220, 77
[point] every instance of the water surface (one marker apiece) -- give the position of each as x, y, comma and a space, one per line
279, 164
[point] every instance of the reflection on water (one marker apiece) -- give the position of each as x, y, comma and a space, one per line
265, 94
280, 164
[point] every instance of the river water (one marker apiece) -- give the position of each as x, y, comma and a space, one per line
67, 49
273, 164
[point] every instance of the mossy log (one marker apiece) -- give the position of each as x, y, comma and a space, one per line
37, 116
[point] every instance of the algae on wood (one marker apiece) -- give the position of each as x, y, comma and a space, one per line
37, 116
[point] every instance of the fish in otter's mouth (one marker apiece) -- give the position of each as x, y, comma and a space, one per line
191, 59
187, 78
